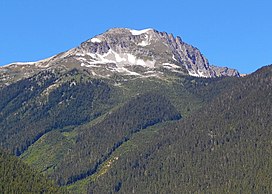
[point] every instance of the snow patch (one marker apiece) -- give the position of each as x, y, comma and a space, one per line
148, 72
124, 70
173, 57
193, 74
139, 32
144, 43
95, 40
201, 74
120, 59
82, 59
197, 74
80, 54
142, 63
131, 59
170, 66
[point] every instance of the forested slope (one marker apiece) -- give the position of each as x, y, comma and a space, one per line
180, 134
95, 144
17, 177
225, 147
49, 101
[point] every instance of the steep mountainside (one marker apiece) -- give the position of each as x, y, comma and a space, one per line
122, 51
48, 101
173, 134
225, 147
69, 125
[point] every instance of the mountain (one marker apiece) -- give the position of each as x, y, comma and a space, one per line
121, 51
109, 116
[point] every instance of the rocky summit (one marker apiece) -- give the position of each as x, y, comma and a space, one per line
125, 52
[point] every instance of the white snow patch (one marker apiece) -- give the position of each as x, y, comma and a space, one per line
170, 66
117, 84
173, 57
120, 59
82, 59
73, 84
95, 40
193, 74
201, 74
197, 73
148, 63
93, 65
124, 70
92, 55
80, 54
131, 58
144, 43
142, 63
100, 59
139, 32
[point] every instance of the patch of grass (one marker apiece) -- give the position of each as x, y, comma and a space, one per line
46, 153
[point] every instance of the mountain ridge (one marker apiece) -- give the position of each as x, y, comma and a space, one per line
126, 52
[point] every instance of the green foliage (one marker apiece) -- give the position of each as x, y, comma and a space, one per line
48, 151
225, 147
17, 177
117, 127
31, 108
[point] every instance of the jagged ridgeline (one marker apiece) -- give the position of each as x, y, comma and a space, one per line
121, 51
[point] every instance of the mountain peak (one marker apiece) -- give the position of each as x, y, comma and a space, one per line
128, 30
123, 51
151, 49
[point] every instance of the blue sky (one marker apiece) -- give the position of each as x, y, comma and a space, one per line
233, 33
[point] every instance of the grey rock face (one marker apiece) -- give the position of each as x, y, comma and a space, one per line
129, 52
224, 71
151, 49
